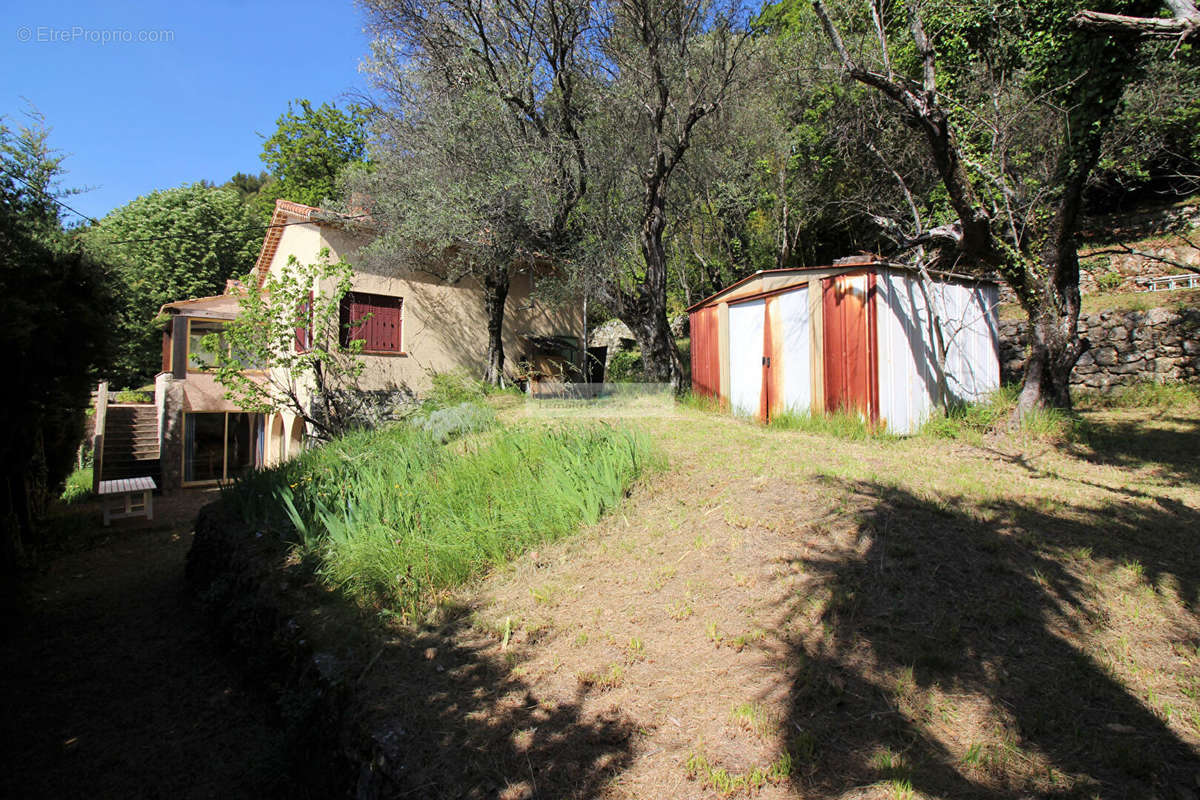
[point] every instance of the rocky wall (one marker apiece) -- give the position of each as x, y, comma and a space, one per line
1160, 344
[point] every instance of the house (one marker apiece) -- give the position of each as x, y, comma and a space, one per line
418, 325
858, 334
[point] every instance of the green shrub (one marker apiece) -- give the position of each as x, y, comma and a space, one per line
699, 402
973, 420
78, 487
455, 388
444, 424
1108, 281
626, 367
134, 396
1144, 394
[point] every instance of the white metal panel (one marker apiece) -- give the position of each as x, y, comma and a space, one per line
972, 342
906, 383
908, 348
745, 355
797, 350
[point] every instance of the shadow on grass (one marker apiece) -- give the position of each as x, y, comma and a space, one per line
454, 719
944, 627
1169, 443
378, 711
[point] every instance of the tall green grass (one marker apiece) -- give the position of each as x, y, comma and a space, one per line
78, 487
842, 424
394, 519
1144, 394
699, 402
972, 421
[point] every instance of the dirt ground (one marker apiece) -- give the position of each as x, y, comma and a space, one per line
789, 615
111, 686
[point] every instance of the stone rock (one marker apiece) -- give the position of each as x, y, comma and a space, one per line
1106, 356
1161, 316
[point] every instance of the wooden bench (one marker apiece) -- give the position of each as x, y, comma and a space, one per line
135, 495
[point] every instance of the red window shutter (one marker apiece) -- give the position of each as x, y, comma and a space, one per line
375, 319
304, 332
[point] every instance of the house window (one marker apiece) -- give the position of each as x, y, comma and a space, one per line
373, 318
202, 359
199, 356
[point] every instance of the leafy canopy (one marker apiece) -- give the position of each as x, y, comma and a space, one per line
310, 147
170, 245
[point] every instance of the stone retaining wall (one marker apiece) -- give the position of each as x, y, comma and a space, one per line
1161, 344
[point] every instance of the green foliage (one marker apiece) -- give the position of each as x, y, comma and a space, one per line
1108, 281
56, 327
699, 402
78, 487
1154, 146
169, 245
134, 396
626, 367
258, 361
973, 421
454, 388
395, 519
308, 150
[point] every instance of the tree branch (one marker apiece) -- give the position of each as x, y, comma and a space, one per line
1181, 26
1124, 249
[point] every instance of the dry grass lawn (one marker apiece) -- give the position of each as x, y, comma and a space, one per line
790, 615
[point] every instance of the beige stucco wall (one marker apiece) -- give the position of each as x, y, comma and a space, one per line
443, 325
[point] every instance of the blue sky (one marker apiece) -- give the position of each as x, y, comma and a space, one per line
134, 116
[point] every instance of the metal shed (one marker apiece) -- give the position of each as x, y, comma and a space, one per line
858, 334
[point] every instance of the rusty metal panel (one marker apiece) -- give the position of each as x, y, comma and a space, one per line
849, 348
773, 368
746, 324
706, 352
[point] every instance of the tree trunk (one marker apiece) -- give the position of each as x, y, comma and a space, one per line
495, 294
1054, 343
644, 308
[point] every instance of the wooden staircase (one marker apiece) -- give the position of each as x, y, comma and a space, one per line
131, 443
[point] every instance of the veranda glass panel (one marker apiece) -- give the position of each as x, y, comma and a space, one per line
240, 445
199, 356
204, 447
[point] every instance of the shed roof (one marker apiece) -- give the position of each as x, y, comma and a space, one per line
849, 264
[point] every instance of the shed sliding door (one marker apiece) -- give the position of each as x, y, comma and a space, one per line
770, 362
746, 325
